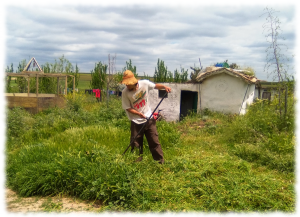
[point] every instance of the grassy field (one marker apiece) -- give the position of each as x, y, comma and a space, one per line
84, 81
214, 163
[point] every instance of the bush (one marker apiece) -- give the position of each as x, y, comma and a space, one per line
18, 121
75, 101
262, 136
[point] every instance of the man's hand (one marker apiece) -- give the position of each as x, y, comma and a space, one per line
161, 87
168, 89
133, 111
142, 115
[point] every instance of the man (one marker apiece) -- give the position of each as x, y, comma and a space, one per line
136, 104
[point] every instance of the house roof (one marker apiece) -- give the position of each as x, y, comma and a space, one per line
210, 71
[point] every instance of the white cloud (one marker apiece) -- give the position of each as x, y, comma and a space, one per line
178, 34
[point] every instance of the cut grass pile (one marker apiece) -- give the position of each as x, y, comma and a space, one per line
77, 152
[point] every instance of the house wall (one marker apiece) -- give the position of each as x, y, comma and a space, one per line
225, 93
256, 94
171, 106
221, 92
249, 97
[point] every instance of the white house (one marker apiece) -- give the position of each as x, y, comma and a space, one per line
218, 89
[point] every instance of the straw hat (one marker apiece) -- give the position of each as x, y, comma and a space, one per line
128, 78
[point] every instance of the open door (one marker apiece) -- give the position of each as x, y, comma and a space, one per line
188, 102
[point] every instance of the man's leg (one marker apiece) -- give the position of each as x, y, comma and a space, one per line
152, 138
138, 143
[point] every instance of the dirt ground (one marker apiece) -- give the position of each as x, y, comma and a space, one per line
17, 204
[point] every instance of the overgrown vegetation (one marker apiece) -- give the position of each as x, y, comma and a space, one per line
214, 163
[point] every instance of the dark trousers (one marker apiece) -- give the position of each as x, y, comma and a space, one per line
151, 134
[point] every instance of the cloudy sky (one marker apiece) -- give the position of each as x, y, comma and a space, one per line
179, 33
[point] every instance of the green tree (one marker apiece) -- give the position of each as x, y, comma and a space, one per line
176, 76
8, 79
197, 71
146, 77
180, 77
21, 82
47, 84
63, 65
98, 76
130, 67
76, 76
161, 71
169, 77
183, 75
118, 76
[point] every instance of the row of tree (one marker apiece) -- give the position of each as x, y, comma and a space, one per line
162, 74
102, 76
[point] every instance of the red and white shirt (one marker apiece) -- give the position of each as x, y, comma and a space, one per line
138, 99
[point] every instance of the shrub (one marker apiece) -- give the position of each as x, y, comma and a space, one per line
262, 136
75, 101
18, 122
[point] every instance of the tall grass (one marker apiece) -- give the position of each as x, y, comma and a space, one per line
263, 137
210, 162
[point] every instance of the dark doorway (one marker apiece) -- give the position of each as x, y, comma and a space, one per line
266, 95
188, 102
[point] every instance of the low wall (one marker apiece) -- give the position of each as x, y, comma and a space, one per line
33, 103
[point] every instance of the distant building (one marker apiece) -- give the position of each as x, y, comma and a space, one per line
217, 89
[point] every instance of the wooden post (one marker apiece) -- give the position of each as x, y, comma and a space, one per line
57, 86
66, 85
37, 93
28, 85
37, 85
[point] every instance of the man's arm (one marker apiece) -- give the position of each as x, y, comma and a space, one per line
133, 111
160, 87
126, 105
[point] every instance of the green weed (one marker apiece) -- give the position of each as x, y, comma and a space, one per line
214, 163
261, 136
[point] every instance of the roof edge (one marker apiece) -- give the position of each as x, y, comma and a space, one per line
210, 71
